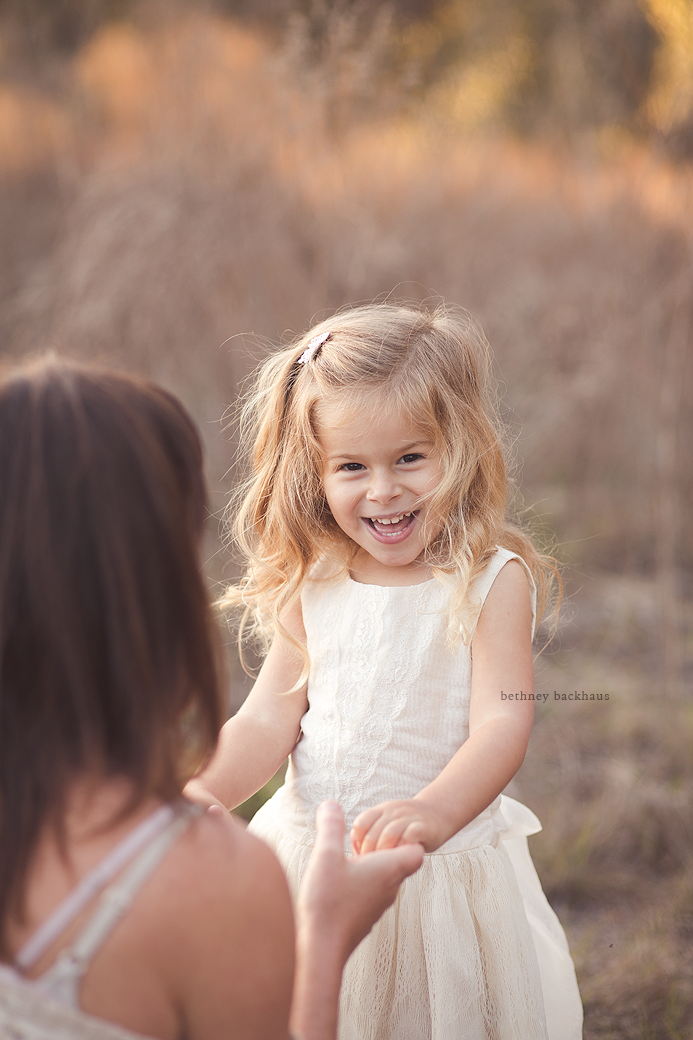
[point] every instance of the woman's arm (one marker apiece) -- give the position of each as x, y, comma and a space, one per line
240, 982
206, 951
498, 730
339, 902
254, 743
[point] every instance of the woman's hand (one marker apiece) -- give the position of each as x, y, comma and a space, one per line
348, 895
339, 901
398, 823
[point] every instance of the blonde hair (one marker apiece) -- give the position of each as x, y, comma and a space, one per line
434, 366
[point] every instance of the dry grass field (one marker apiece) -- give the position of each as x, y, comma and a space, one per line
183, 197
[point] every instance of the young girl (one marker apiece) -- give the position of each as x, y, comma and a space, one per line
399, 676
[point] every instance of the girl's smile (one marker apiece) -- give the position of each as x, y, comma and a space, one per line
379, 474
393, 529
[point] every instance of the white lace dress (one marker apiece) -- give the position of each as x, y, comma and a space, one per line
471, 950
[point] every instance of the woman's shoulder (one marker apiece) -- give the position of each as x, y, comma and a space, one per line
241, 921
214, 928
218, 858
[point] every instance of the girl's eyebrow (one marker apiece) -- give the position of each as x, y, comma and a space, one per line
400, 451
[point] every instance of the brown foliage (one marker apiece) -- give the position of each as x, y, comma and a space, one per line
194, 192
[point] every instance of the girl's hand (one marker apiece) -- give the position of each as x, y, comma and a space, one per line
397, 823
197, 792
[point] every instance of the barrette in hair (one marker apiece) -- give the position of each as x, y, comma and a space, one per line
313, 347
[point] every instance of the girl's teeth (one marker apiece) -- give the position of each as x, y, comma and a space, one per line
393, 519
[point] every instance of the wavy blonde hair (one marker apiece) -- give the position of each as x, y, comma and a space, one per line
431, 365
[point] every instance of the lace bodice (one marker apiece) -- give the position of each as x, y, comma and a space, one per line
388, 700
471, 946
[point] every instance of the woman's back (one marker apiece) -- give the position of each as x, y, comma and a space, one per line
110, 695
205, 943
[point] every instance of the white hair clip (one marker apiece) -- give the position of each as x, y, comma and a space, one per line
313, 347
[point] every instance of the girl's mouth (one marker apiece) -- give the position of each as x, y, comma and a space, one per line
391, 529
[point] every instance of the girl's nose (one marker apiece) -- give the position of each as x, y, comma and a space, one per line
383, 487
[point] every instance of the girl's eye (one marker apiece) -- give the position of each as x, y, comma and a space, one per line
351, 467
411, 458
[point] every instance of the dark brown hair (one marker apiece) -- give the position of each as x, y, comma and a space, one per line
108, 652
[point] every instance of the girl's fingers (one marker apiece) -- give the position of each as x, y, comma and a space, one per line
362, 824
364, 820
370, 835
414, 834
387, 826
369, 841
391, 835
384, 834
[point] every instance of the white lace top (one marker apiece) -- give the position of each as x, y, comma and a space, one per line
388, 701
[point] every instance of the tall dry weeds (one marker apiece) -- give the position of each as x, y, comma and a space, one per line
190, 197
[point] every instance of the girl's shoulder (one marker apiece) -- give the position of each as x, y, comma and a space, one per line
498, 559
484, 580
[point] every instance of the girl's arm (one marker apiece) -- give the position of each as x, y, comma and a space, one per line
498, 731
254, 743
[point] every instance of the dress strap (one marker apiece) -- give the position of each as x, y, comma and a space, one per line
151, 839
92, 883
485, 580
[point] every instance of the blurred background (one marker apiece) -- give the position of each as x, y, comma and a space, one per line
185, 184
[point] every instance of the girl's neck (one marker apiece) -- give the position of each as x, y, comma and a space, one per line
367, 571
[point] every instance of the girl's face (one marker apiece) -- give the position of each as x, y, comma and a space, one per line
378, 474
